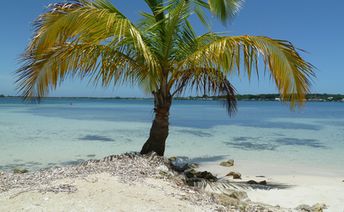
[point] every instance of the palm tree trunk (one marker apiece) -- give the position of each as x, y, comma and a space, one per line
159, 130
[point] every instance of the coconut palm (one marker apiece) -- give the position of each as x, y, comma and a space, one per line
161, 53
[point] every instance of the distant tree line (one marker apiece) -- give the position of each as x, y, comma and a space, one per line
243, 97
311, 97
271, 97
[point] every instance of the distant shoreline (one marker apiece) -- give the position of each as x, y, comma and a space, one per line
245, 97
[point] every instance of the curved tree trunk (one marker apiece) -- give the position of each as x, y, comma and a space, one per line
159, 130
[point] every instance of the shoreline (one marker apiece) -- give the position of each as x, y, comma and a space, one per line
290, 186
337, 98
259, 168
86, 184
105, 192
125, 182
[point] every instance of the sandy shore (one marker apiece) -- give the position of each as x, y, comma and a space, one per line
131, 182
300, 189
127, 182
103, 192
288, 186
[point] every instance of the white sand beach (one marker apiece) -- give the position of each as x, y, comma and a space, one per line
308, 190
136, 183
103, 192
127, 182
288, 186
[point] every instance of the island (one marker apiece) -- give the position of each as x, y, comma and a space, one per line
316, 97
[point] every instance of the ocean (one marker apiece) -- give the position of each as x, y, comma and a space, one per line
63, 131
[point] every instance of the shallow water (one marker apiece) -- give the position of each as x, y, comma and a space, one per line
66, 131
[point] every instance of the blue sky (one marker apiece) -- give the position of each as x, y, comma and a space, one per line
316, 26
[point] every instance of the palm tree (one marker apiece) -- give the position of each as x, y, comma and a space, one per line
161, 53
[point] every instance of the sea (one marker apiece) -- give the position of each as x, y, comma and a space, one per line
66, 131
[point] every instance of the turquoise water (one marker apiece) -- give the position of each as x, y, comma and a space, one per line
65, 131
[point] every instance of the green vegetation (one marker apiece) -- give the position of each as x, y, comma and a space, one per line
245, 97
325, 97
271, 97
1, 95
161, 53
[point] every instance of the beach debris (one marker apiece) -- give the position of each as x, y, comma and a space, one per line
165, 171
129, 168
64, 188
227, 163
239, 195
231, 196
204, 175
193, 166
173, 158
179, 167
180, 164
253, 182
235, 175
194, 182
303, 208
319, 207
195, 178
20, 171
235, 200
91, 180
163, 168
225, 199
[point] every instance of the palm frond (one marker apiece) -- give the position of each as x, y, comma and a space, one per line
156, 7
222, 9
88, 24
209, 81
290, 72
225, 9
98, 62
188, 43
176, 17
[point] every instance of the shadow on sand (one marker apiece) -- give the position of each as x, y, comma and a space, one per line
268, 186
224, 184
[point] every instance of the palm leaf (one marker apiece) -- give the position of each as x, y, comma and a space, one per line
87, 23
289, 71
93, 22
209, 81
98, 62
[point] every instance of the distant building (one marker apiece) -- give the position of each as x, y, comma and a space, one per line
277, 99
